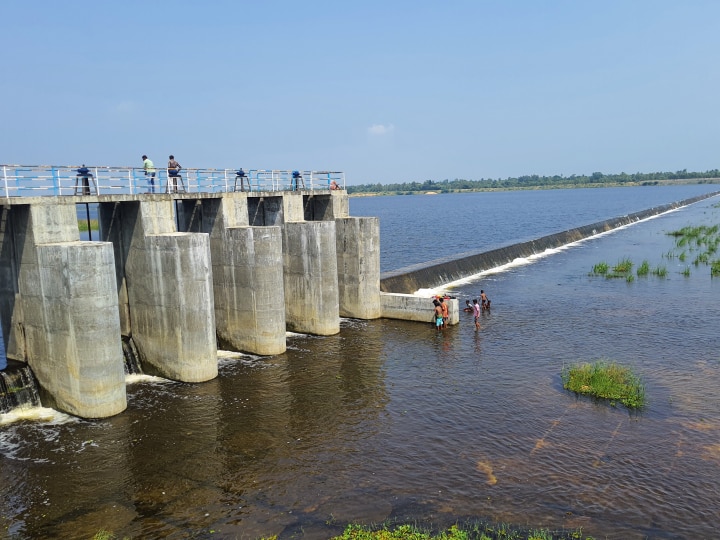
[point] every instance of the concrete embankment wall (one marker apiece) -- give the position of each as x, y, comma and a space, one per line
442, 271
409, 307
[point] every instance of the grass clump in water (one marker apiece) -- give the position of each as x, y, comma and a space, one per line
623, 266
715, 269
643, 269
477, 531
600, 268
605, 380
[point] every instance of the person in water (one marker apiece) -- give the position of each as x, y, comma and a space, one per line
468, 306
485, 301
476, 313
445, 311
438, 315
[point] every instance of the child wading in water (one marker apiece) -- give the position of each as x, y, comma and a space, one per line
476, 312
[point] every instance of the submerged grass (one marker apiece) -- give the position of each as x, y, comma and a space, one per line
605, 380
623, 266
475, 531
600, 268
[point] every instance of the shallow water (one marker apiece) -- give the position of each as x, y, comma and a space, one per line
390, 420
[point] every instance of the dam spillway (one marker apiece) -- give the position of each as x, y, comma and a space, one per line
178, 274
440, 272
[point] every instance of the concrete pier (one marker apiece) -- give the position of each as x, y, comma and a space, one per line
247, 271
310, 278
358, 254
60, 309
167, 277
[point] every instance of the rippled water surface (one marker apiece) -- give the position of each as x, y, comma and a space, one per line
390, 420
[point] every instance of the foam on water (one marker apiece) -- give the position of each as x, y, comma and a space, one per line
36, 414
523, 261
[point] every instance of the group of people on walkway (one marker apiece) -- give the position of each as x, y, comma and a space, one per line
173, 168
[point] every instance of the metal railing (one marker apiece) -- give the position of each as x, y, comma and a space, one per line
50, 180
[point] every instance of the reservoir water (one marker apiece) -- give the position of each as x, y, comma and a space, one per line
391, 421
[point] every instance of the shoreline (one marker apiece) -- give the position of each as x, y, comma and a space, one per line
694, 181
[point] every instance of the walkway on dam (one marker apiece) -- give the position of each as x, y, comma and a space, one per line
52, 180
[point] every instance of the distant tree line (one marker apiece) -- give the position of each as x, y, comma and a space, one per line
535, 181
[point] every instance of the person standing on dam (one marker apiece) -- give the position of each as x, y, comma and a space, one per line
149, 167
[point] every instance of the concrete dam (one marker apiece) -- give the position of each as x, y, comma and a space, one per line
178, 275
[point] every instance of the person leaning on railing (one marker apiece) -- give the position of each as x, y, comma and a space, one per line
173, 173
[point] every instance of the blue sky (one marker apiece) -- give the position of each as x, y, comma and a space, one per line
386, 91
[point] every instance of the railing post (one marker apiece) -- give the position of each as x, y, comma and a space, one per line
55, 180
7, 191
130, 180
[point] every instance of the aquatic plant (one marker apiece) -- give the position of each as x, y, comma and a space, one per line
643, 269
682, 256
660, 271
600, 268
686, 272
623, 266
475, 531
715, 268
605, 380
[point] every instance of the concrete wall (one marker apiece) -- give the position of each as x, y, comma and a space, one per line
310, 278
409, 307
357, 242
443, 271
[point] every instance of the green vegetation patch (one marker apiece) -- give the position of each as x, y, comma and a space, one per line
476, 531
83, 225
605, 380
623, 266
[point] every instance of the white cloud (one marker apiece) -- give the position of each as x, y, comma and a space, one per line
380, 129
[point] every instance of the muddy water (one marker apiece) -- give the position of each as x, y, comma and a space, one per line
390, 420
